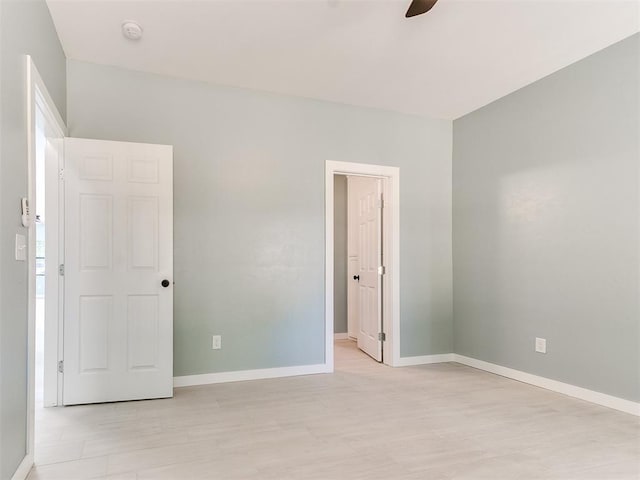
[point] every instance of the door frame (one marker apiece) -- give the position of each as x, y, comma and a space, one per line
391, 253
37, 98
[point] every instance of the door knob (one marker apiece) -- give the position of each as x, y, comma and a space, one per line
165, 283
356, 277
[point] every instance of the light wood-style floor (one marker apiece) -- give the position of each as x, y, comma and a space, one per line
365, 421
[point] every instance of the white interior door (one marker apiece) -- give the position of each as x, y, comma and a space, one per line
368, 211
118, 244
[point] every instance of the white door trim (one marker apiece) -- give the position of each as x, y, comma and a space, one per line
38, 97
391, 253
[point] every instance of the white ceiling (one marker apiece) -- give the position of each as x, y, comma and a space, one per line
458, 57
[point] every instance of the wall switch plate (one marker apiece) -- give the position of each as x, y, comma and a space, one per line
541, 345
21, 248
216, 342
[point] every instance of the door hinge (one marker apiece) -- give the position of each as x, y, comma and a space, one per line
381, 202
61, 269
382, 336
61, 366
61, 174
382, 270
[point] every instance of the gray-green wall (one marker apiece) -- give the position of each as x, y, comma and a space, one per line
340, 260
545, 230
25, 28
249, 210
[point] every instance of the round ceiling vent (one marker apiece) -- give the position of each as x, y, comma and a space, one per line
132, 30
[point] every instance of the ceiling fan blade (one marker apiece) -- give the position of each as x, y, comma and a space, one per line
419, 7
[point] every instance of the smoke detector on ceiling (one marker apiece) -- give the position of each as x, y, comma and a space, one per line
132, 30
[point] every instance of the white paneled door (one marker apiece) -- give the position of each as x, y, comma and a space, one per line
368, 211
118, 271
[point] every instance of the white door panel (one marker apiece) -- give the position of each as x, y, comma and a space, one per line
118, 321
366, 192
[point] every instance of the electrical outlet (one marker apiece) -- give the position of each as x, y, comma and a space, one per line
541, 345
216, 342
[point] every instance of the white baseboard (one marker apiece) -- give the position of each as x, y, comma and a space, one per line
341, 336
592, 396
24, 468
424, 360
243, 375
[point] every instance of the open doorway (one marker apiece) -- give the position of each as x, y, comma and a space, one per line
45, 151
358, 263
40, 219
48, 152
341, 260
362, 268
345, 333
